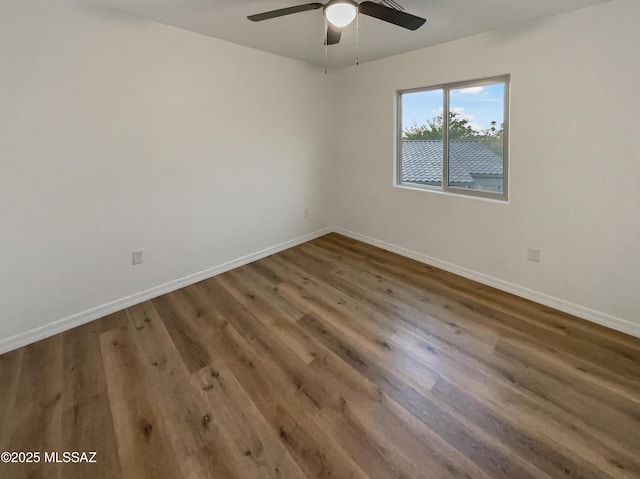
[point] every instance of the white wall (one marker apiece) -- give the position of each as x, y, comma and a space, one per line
574, 170
118, 134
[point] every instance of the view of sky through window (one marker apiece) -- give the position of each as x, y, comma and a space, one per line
479, 104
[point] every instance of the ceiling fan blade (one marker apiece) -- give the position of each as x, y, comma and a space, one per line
391, 15
284, 11
333, 34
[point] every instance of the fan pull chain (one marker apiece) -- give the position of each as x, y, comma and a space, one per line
357, 37
326, 41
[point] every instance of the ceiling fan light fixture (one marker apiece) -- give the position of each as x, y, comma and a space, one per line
340, 13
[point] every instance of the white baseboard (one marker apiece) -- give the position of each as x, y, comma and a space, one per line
61, 325
604, 319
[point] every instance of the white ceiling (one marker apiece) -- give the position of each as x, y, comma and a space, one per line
300, 36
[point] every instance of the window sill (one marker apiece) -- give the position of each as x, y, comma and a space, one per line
490, 197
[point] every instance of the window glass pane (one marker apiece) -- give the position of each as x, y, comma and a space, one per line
476, 122
421, 142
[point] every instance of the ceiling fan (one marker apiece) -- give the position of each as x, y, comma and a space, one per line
340, 13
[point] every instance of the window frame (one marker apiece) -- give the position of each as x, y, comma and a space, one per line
446, 96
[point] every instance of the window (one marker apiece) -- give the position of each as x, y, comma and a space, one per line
467, 152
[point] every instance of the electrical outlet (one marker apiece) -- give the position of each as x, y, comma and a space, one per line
533, 255
136, 257
306, 212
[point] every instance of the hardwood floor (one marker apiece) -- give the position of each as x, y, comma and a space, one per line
332, 359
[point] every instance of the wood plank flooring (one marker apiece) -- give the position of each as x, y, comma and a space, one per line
333, 359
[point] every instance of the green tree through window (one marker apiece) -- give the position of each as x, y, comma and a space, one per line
459, 129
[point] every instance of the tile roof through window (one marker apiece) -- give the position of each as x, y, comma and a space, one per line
422, 161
